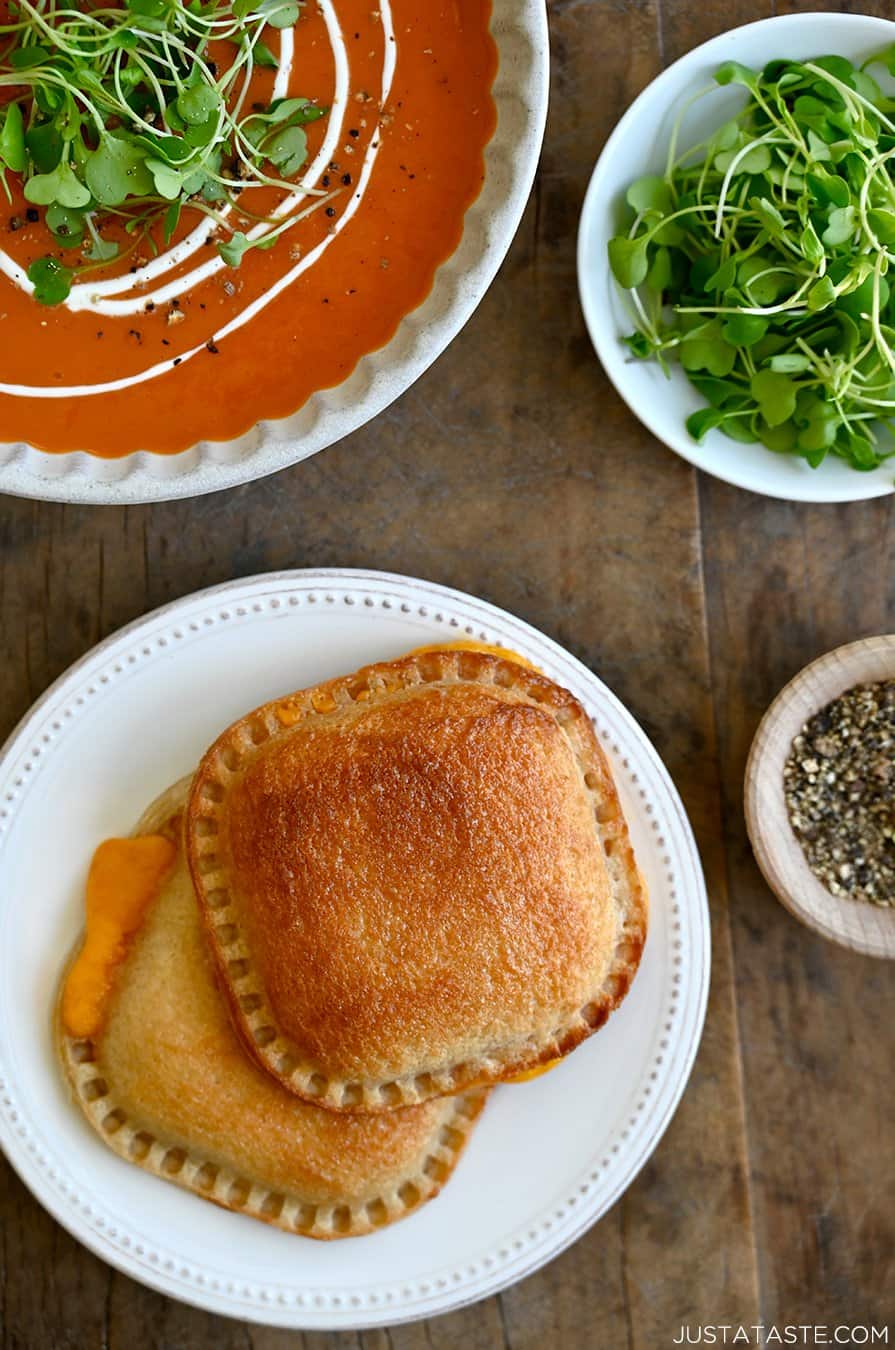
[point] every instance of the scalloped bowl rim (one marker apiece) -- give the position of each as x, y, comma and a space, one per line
519, 28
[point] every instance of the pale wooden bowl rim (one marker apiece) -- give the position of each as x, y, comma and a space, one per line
865, 928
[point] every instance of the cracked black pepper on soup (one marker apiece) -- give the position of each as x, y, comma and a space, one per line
839, 783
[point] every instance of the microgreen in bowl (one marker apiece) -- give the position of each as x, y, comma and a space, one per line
758, 261
121, 115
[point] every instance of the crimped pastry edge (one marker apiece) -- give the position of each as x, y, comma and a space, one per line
224, 1186
250, 1010
232, 1190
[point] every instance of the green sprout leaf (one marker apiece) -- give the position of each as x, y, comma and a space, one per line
744, 330
758, 160
198, 103
775, 395
705, 349
822, 294
827, 189
858, 303
117, 170
168, 181
629, 261
781, 439
44, 145
171, 221
12, 139
26, 58
812, 248
764, 279
66, 224
639, 345
704, 420
841, 227
60, 185
101, 250
650, 194
278, 13
720, 393
724, 138
264, 57
288, 150
153, 9
769, 216
51, 281
818, 421
658, 278
722, 278
233, 249
882, 222
734, 73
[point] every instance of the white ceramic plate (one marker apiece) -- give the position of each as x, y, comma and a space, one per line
638, 146
519, 28
133, 716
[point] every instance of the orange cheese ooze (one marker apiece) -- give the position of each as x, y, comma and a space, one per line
534, 1073
470, 645
323, 702
124, 879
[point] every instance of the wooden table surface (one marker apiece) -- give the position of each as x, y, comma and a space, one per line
512, 470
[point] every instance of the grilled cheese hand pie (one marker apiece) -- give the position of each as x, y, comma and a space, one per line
415, 879
156, 1067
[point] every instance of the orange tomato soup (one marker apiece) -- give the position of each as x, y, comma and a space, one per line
187, 348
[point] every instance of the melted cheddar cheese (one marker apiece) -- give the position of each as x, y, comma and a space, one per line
124, 879
322, 700
470, 645
534, 1073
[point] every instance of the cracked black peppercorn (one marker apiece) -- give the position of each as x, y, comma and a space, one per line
839, 784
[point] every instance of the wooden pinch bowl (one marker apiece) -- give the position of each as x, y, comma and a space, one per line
855, 924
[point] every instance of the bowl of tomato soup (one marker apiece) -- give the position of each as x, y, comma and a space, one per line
207, 311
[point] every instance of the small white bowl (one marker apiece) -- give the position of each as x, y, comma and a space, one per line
852, 923
637, 146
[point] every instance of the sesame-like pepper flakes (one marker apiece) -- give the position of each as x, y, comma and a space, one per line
839, 785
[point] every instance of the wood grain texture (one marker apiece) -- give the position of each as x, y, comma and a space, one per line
816, 1020
512, 470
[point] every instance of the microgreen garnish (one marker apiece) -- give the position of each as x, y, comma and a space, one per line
121, 114
51, 281
758, 261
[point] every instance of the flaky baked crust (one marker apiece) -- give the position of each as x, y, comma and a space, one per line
168, 1086
415, 879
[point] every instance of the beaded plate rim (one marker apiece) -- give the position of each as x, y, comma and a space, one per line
685, 982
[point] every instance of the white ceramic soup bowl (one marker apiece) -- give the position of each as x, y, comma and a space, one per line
520, 92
